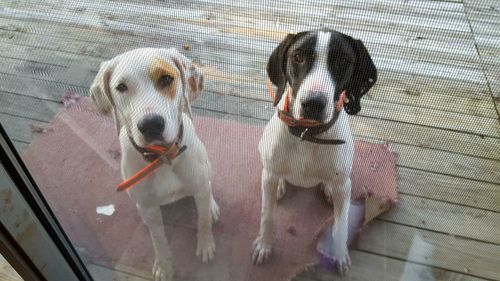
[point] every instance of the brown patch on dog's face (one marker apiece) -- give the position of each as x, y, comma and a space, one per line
165, 77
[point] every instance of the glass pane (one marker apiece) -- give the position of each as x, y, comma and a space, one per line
390, 109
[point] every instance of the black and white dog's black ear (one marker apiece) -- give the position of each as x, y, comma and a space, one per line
364, 77
276, 66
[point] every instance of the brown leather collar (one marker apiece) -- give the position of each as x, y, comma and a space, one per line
167, 153
306, 129
308, 133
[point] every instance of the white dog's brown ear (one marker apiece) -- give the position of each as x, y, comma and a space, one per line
100, 93
192, 76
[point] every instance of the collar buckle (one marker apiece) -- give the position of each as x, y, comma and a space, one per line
303, 134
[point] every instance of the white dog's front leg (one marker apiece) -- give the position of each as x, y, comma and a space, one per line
262, 245
162, 269
340, 195
207, 212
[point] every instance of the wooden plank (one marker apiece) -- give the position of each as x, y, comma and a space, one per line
33, 108
432, 118
41, 89
447, 218
455, 190
447, 163
19, 128
489, 50
76, 75
428, 137
99, 272
485, 11
20, 146
494, 81
432, 249
370, 267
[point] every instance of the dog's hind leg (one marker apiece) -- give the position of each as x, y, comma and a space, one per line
162, 269
262, 244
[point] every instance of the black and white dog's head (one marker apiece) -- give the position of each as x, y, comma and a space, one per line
318, 66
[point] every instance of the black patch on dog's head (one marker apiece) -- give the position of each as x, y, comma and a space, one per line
278, 63
363, 78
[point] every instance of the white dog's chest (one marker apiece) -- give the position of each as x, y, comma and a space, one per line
188, 174
163, 186
302, 163
168, 185
306, 168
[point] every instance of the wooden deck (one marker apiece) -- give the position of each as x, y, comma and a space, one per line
437, 100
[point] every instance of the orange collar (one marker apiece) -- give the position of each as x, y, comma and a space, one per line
157, 155
286, 117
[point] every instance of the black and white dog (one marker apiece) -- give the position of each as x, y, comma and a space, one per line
309, 142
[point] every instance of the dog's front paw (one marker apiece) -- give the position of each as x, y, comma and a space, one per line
261, 250
163, 271
206, 248
342, 263
214, 211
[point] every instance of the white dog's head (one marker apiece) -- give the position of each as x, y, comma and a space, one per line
144, 89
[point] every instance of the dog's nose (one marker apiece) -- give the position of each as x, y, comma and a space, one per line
313, 105
152, 127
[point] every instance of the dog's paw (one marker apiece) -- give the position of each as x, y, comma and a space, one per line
281, 189
261, 250
163, 271
342, 263
206, 248
214, 211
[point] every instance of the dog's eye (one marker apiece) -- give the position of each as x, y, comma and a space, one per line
298, 58
121, 87
164, 81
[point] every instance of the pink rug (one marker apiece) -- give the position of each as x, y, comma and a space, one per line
76, 164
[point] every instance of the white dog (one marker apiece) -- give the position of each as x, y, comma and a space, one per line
149, 92
309, 142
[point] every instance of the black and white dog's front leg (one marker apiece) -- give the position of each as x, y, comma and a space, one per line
339, 192
162, 268
262, 245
